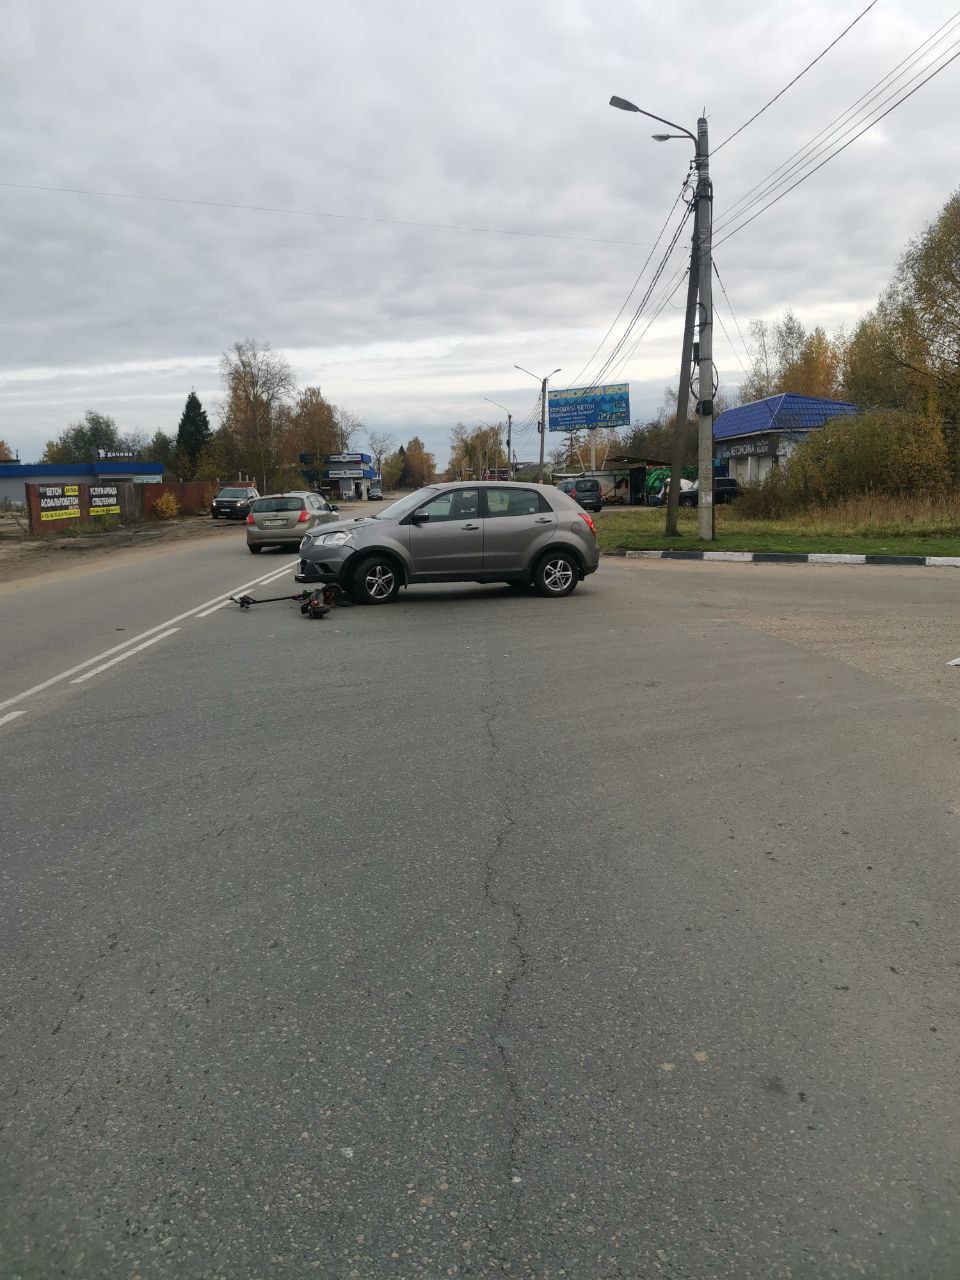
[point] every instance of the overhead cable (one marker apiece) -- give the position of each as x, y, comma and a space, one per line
798, 76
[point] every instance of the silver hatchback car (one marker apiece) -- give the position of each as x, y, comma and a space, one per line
522, 534
281, 519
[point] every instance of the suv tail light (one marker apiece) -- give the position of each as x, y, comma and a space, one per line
303, 517
250, 519
583, 516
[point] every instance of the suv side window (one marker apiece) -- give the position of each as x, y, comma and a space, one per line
455, 504
514, 502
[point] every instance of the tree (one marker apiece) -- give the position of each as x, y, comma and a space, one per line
193, 435
474, 450
163, 448
379, 443
83, 441
6, 453
313, 426
348, 428
419, 466
258, 386
391, 469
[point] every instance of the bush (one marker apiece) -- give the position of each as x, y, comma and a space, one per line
166, 507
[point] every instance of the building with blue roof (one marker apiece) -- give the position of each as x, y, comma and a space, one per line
14, 475
753, 438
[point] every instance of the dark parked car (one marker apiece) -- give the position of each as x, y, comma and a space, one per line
233, 502
585, 490
374, 491
522, 534
724, 490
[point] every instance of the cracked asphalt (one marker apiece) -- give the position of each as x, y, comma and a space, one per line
483, 935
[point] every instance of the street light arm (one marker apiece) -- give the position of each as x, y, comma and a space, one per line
527, 372
624, 105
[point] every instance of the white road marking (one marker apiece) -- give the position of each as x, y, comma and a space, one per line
129, 654
263, 582
954, 663
124, 644
11, 715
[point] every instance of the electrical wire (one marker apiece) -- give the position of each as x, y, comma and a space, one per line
733, 314
831, 133
797, 77
633, 287
318, 213
607, 365
837, 151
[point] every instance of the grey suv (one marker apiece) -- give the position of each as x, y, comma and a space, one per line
469, 532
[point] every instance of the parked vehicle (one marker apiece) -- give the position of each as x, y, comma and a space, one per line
233, 502
585, 490
374, 491
724, 490
482, 531
281, 519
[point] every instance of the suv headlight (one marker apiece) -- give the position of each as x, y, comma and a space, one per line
334, 539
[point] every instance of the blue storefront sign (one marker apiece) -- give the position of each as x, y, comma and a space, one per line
580, 408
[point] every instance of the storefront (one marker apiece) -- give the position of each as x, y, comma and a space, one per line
753, 438
348, 475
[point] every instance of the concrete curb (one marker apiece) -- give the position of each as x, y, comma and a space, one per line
787, 557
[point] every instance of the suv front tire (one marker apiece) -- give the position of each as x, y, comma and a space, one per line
375, 580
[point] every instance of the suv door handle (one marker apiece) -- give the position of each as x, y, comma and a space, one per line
470, 526
543, 520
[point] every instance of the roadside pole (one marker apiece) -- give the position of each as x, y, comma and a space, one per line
543, 427
509, 445
683, 391
593, 448
705, 521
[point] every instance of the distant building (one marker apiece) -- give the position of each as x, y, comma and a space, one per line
754, 437
348, 475
14, 475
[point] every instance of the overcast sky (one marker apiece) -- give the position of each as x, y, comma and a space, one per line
490, 114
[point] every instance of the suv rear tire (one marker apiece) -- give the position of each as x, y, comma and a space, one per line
556, 574
375, 580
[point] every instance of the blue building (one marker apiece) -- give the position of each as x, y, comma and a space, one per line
348, 475
754, 437
14, 475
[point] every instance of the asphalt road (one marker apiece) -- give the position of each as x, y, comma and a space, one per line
480, 935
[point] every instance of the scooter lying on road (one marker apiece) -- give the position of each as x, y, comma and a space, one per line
313, 604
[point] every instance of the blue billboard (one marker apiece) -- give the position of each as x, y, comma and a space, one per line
581, 408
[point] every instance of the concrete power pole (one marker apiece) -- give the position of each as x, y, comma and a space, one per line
705, 522
543, 427
509, 445
683, 391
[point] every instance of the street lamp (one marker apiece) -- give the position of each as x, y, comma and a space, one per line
543, 411
698, 283
509, 434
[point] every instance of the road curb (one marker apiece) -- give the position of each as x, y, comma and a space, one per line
788, 557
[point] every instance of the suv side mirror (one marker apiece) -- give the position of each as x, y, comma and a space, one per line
419, 517
334, 507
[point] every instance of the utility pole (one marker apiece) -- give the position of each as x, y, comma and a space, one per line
593, 448
705, 521
543, 412
543, 427
683, 391
509, 433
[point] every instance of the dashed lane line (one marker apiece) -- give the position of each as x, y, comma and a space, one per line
126, 644
263, 582
129, 654
11, 715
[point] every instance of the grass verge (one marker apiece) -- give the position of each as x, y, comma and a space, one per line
842, 530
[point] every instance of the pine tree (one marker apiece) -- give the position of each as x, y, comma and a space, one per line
193, 433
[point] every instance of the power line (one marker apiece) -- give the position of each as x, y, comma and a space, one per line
644, 301
834, 154
633, 287
723, 287
831, 133
797, 77
318, 213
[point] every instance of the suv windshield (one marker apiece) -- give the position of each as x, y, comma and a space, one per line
403, 506
278, 504
233, 493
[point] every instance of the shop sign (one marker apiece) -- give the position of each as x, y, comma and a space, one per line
104, 500
59, 501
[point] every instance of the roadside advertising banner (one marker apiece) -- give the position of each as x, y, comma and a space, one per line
582, 408
59, 501
104, 500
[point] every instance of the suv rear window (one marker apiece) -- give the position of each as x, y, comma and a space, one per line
278, 504
587, 486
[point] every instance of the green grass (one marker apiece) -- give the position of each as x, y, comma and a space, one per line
641, 529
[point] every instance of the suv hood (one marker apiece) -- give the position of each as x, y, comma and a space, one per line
333, 526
